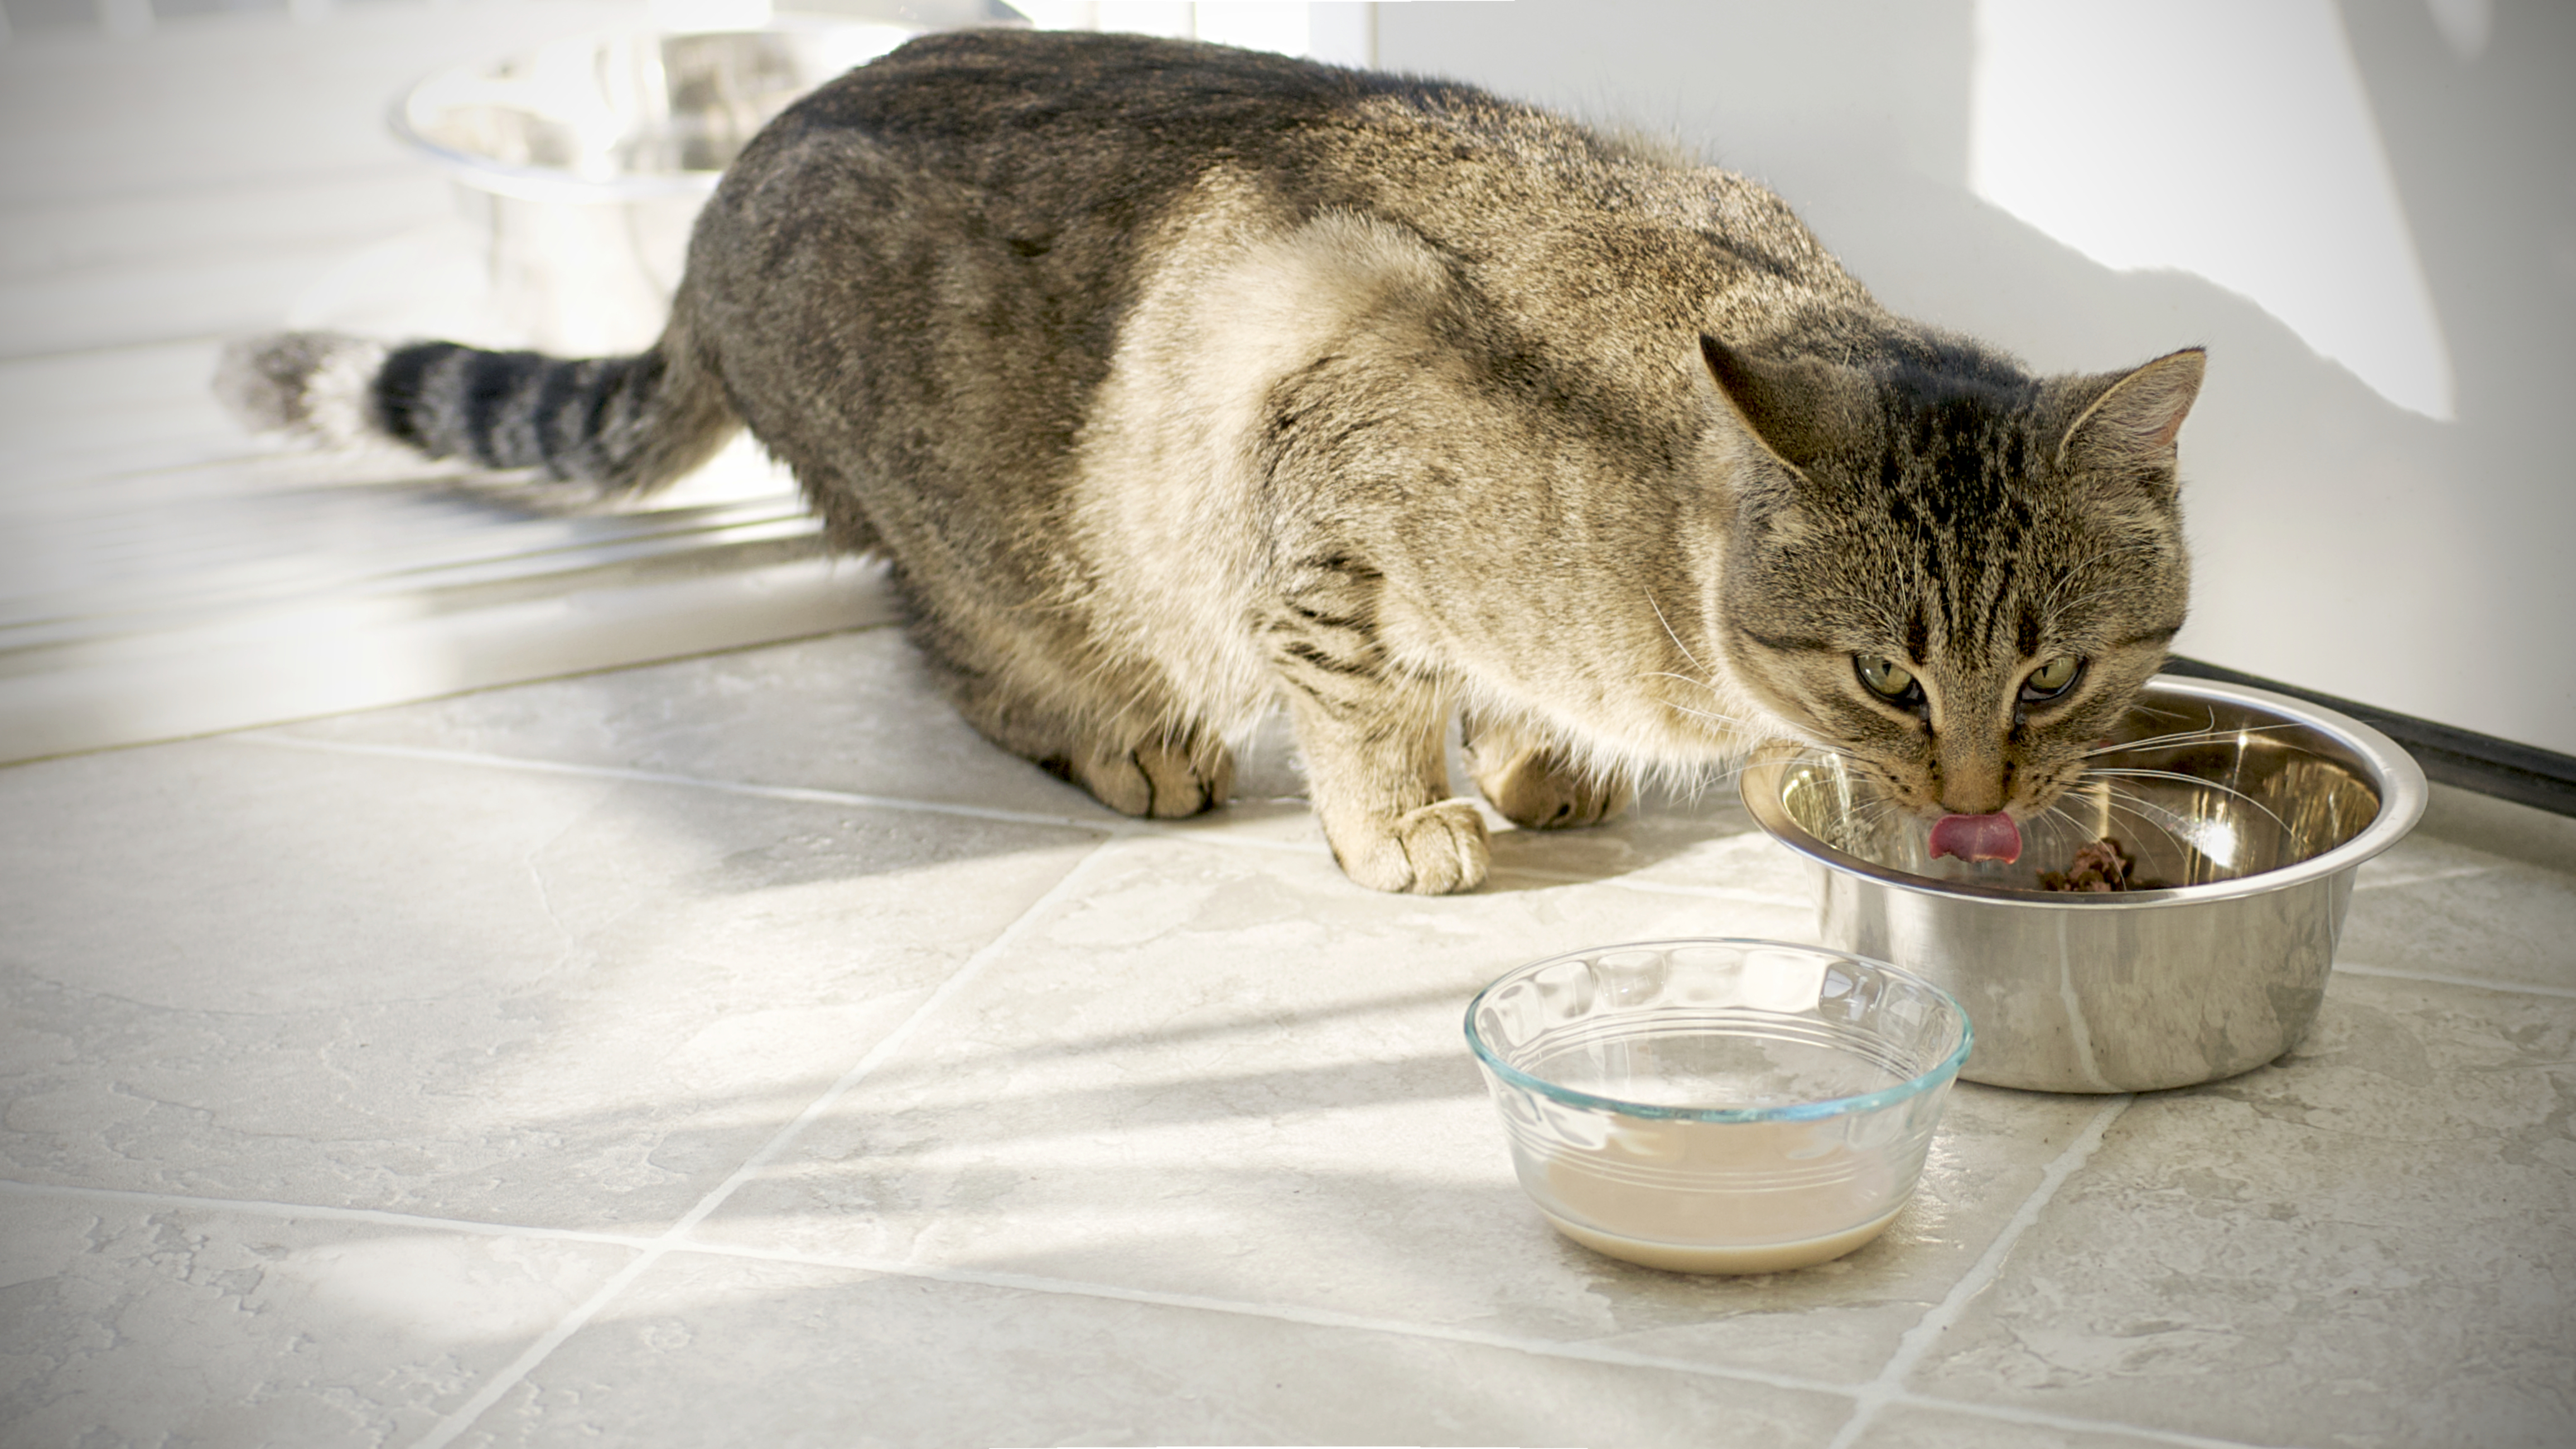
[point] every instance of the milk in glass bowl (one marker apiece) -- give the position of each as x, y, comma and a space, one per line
1718, 1106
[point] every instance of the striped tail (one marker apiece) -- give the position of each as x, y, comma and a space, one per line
622, 424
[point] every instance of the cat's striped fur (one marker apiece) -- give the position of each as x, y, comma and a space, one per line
1178, 381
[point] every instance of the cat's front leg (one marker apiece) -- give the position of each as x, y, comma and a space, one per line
1373, 734
1380, 785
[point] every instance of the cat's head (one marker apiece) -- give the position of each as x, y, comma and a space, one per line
1954, 573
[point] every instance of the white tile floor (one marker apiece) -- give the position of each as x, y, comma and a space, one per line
740, 1051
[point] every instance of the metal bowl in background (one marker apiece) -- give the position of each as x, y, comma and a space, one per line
585, 160
2249, 810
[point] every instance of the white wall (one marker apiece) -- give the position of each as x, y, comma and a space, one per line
2367, 212
1334, 30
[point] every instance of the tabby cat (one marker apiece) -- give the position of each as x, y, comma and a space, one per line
1176, 381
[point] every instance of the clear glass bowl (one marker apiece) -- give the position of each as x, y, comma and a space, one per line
1718, 1106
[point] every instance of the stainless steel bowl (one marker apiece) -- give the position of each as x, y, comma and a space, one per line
586, 159
2249, 811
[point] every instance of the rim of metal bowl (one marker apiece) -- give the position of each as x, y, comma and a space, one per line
552, 184
1915, 1086
2403, 795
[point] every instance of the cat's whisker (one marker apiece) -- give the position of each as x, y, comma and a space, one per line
2189, 737
2149, 821
1652, 603
2055, 832
1716, 718
1730, 772
2160, 742
1710, 687
2131, 773
2057, 813
2154, 817
2153, 712
1717, 779
1872, 811
2110, 798
2093, 792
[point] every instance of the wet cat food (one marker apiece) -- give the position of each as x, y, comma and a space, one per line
2098, 866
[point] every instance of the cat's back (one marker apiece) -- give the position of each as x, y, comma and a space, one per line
1076, 114
1051, 178
1088, 140
972, 103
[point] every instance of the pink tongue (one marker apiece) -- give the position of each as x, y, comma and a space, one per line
1977, 837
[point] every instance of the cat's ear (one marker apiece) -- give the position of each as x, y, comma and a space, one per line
2129, 424
1804, 412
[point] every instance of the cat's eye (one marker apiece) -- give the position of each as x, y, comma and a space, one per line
2053, 678
1885, 677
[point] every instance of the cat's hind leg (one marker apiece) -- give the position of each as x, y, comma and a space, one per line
1535, 783
1152, 770
1159, 777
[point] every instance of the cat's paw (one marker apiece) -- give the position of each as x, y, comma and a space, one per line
1436, 850
1156, 779
1537, 789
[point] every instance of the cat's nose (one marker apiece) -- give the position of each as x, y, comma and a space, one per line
1981, 803
1972, 782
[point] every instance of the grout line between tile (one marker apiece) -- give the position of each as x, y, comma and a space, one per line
1108, 825
1021, 1282
1653, 887
1113, 825
2038, 1418
1535, 1347
463, 1417
1917, 1342
1281, 1313
1074, 1288
374, 1217
796, 793
2438, 978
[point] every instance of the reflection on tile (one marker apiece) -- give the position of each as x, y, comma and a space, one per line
2372, 1242
859, 713
854, 712
2501, 827
251, 972
2473, 915
1720, 851
131, 1324
726, 1350
1235, 1075
2422, 856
